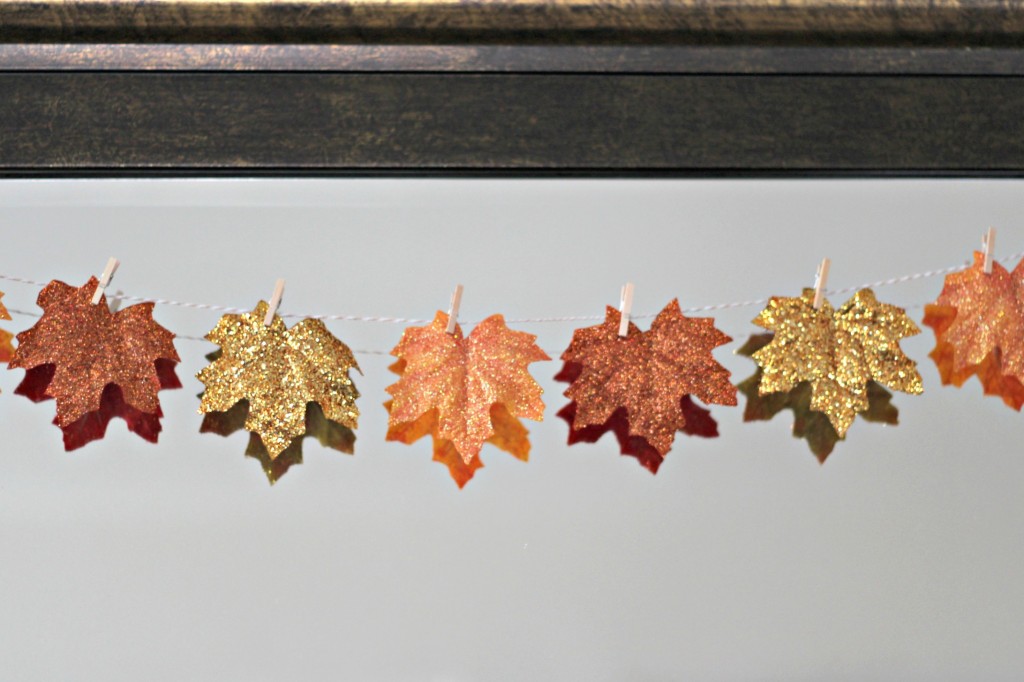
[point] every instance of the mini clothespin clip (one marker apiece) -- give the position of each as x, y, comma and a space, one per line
275, 303
625, 307
453, 309
108, 274
820, 280
988, 245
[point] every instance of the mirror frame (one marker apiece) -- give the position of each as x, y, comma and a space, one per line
511, 87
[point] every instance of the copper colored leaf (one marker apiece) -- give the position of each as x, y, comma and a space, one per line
87, 349
90, 348
330, 434
93, 425
812, 426
989, 371
463, 378
647, 373
279, 371
837, 351
698, 423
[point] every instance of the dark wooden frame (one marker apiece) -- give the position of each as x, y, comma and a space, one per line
517, 87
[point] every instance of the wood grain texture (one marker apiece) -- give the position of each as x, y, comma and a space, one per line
236, 123
938, 22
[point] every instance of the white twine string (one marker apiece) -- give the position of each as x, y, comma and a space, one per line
524, 320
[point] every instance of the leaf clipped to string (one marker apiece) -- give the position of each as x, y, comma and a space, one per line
465, 391
698, 422
96, 364
6, 348
978, 321
280, 374
812, 426
837, 351
641, 387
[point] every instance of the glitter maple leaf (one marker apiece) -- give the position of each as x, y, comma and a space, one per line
89, 349
509, 435
279, 371
93, 425
462, 378
6, 349
838, 351
814, 427
978, 321
698, 422
647, 374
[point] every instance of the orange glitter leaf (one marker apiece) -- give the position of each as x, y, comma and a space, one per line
6, 348
463, 378
509, 435
989, 371
978, 321
91, 348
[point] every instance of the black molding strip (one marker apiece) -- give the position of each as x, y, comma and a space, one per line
145, 124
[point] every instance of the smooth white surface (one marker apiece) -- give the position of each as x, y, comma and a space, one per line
742, 560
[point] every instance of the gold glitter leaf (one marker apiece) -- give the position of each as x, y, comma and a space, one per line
278, 371
978, 321
91, 348
838, 352
647, 373
462, 378
814, 427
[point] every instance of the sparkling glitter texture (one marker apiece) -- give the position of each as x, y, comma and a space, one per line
647, 373
6, 349
837, 351
989, 371
91, 348
978, 321
462, 378
812, 426
278, 371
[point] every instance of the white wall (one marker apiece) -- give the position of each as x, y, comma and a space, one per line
743, 559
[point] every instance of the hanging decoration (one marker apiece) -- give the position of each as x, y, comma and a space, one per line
6, 347
639, 384
465, 391
330, 434
978, 321
280, 384
814, 427
96, 364
838, 352
827, 365
509, 435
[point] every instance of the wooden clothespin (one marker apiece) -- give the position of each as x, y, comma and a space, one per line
108, 274
625, 307
275, 303
453, 309
820, 280
988, 245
